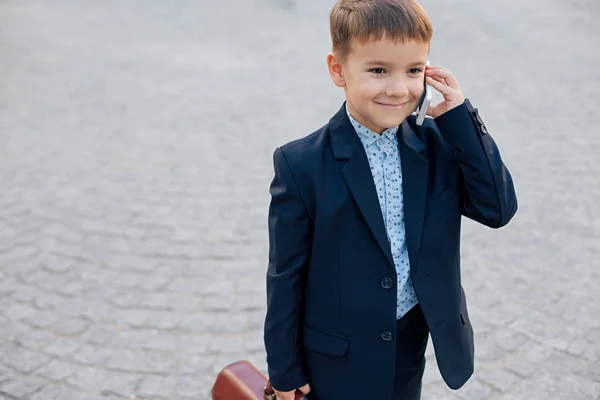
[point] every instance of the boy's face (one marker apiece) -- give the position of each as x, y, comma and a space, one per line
383, 80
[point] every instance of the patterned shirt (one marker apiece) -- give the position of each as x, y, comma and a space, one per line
384, 158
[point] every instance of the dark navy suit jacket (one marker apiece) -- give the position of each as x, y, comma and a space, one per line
331, 314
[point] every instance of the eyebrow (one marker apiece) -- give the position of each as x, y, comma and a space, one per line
387, 64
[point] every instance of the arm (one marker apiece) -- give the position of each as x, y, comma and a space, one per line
290, 231
490, 195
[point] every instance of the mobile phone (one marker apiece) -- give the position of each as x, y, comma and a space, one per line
425, 102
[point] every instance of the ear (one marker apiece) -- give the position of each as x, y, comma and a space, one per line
335, 70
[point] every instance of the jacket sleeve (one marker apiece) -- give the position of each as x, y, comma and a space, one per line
490, 197
290, 228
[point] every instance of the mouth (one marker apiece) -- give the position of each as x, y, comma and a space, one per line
393, 106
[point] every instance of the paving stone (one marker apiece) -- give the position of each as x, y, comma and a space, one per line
163, 341
196, 365
197, 322
93, 379
92, 355
123, 360
497, 378
535, 389
157, 386
561, 363
57, 370
226, 344
129, 300
25, 294
520, 365
509, 340
230, 323
194, 344
133, 339
165, 320
580, 387
191, 388
63, 347
475, 390
23, 360
20, 253
100, 334
158, 301
41, 319
57, 265
70, 327
155, 283
35, 340
130, 317
156, 363
25, 386
5, 373
438, 393
17, 311
57, 392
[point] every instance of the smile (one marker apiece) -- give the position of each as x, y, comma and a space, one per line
393, 106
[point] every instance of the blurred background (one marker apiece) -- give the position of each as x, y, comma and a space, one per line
135, 158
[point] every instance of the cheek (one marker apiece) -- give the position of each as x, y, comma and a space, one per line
416, 89
370, 87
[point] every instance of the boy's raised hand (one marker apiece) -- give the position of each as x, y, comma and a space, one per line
443, 80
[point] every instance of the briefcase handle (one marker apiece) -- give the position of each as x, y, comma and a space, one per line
270, 393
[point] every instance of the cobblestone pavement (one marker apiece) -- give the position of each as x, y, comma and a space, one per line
135, 156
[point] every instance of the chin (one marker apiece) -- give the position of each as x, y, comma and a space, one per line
392, 122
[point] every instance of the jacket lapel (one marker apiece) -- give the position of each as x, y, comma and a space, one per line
414, 185
346, 145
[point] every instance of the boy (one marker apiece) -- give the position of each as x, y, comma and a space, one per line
364, 220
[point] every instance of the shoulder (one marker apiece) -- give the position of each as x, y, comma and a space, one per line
305, 149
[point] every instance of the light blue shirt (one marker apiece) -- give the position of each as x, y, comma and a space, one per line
384, 158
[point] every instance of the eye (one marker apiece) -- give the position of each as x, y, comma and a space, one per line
415, 71
377, 71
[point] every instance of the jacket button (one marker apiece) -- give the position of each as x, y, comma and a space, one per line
387, 336
387, 283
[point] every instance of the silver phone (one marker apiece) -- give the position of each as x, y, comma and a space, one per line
424, 103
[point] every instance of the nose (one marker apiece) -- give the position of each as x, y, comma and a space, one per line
397, 87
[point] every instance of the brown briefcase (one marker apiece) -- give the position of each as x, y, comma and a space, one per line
243, 381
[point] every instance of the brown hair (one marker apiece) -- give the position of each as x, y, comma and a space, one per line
366, 20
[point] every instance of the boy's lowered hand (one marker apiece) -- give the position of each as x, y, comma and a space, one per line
292, 394
443, 80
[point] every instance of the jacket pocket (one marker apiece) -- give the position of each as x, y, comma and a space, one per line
442, 199
324, 342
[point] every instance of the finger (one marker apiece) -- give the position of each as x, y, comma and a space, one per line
305, 389
285, 395
439, 86
441, 80
436, 77
445, 74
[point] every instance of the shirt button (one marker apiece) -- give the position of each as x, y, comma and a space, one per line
387, 336
387, 283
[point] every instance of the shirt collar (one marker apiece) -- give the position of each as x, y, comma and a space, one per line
367, 136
